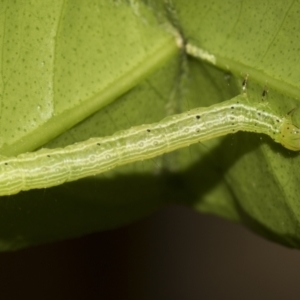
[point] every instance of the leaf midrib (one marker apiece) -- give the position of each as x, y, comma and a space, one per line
64, 121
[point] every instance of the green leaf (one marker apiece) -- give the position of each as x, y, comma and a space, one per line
259, 39
72, 70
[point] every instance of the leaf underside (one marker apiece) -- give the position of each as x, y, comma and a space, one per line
70, 71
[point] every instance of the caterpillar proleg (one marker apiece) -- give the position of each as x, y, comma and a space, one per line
50, 167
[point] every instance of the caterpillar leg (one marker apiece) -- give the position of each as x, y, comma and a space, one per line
244, 84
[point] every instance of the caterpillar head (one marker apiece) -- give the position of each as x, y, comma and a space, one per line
290, 136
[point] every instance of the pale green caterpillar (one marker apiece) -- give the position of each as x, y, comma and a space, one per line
50, 167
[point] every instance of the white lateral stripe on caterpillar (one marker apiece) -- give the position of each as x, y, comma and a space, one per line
50, 167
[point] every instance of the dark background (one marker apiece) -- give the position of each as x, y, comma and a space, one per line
174, 254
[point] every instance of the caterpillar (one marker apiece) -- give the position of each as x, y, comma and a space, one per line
49, 167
